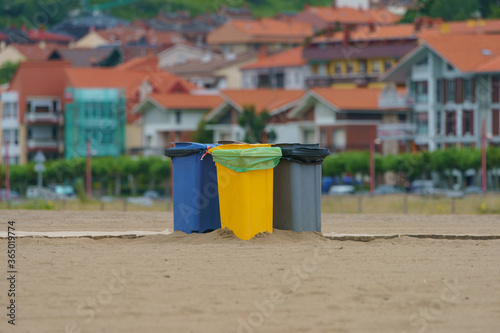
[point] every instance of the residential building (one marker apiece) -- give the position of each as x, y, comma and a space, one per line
41, 35
322, 18
131, 82
220, 72
346, 118
241, 36
181, 53
89, 57
283, 70
193, 31
277, 102
132, 34
357, 57
453, 80
32, 111
77, 27
170, 118
22, 52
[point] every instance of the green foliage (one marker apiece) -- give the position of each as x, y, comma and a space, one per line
203, 135
452, 10
253, 124
7, 71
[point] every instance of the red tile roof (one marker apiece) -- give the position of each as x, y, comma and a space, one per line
39, 79
130, 80
140, 63
41, 35
187, 101
34, 52
351, 98
133, 34
270, 100
353, 15
467, 52
290, 58
262, 30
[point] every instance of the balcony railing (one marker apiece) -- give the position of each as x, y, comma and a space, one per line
43, 143
43, 117
391, 99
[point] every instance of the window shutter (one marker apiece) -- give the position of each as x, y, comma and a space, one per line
496, 122
495, 81
473, 90
445, 91
471, 119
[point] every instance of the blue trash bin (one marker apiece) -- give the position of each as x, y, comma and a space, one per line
195, 190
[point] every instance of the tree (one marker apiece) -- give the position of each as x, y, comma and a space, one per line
7, 71
452, 10
203, 135
254, 124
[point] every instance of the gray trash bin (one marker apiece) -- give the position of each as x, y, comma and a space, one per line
297, 187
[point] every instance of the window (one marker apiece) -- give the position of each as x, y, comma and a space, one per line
280, 80
10, 111
450, 90
438, 122
495, 127
387, 65
376, 67
16, 137
495, 89
339, 139
468, 122
422, 63
450, 123
422, 123
439, 91
177, 117
263, 81
338, 68
322, 69
6, 136
449, 67
362, 66
468, 90
418, 90
350, 67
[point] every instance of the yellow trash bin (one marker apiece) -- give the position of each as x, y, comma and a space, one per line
246, 198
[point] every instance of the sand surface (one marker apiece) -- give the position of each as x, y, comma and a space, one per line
284, 282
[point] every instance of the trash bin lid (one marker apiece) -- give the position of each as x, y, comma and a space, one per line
303, 153
187, 148
243, 160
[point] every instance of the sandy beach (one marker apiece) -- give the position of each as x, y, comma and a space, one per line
284, 282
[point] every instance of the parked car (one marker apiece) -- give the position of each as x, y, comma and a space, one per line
425, 187
13, 195
473, 190
386, 189
63, 191
341, 190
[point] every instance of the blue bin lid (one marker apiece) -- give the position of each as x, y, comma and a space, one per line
187, 148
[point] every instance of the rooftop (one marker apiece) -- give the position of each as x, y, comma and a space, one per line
269, 100
186, 101
289, 58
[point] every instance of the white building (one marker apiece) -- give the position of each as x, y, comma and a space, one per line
283, 70
454, 83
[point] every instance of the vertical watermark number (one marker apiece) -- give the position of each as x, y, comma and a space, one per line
11, 272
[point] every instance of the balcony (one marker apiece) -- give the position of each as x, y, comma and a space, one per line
391, 99
50, 118
44, 144
360, 79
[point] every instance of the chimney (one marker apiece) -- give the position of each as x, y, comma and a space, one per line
347, 34
334, 4
262, 54
371, 27
418, 23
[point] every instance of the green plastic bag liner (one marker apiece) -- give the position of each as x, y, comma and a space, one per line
243, 160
